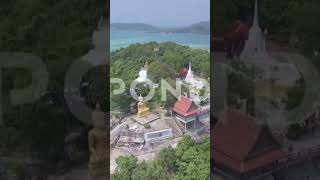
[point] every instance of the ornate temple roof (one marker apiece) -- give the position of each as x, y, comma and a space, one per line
241, 144
185, 107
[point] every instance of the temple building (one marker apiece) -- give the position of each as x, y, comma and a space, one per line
158, 130
185, 111
242, 147
188, 77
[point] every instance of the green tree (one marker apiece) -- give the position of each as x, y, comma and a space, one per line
152, 171
126, 163
189, 160
159, 70
125, 168
167, 160
193, 159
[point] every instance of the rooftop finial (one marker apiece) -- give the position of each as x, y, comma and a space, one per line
146, 65
255, 47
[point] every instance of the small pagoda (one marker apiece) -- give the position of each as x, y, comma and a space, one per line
189, 75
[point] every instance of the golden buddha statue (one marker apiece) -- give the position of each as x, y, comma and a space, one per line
98, 146
143, 110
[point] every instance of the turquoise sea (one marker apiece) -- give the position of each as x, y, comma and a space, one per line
123, 38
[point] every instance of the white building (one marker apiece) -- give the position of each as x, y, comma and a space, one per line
142, 75
189, 76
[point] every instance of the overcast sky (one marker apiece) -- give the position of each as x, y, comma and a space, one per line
167, 13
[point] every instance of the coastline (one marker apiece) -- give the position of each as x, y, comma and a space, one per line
206, 48
123, 38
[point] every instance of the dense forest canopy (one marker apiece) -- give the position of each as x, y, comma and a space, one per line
166, 64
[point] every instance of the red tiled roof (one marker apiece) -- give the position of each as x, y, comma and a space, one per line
184, 106
237, 31
235, 135
183, 72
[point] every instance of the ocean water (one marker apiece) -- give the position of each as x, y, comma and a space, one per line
123, 38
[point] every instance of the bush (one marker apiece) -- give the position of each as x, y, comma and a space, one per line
147, 126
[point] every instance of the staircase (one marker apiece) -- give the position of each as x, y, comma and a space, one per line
177, 127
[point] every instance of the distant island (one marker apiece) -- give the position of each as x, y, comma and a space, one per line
197, 28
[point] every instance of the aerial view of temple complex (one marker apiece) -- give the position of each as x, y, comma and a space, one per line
159, 90
145, 131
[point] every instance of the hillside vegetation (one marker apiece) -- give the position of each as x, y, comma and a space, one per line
189, 160
165, 64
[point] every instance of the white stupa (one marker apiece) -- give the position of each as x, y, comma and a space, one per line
194, 82
189, 76
142, 75
255, 47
